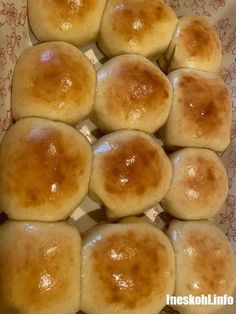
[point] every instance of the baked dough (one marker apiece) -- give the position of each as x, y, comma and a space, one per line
39, 268
55, 81
74, 21
44, 170
195, 44
201, 111
131, 93
136, 26
205, 263
127, 268
199, 184
130, 173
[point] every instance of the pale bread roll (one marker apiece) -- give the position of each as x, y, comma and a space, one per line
195, 44
199, 184
130, 172
39, 268
127, 268
55, 81
205, 263
44, 170
73, 21
131, 93
136, 26
201, 111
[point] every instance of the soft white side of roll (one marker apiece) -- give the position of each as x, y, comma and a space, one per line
74, 21
136, 26
130, 172
205, 263
201, 111
126, 268
131, 93
199, 184
195, 44
39, 268
44, 170
53, 80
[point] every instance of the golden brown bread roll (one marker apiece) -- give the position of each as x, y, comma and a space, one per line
126, 268
205, 263
201, 111
131, 93
39, 268
55, 81
195, 44
44, 170
136, 26
130, 173
199, 184
74, 21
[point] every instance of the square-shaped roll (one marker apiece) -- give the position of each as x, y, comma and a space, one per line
127, 268
195, 44
39, 268
201, 111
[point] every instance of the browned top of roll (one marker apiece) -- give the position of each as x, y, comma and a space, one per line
133, 20
137, 85
204, 102
134, 163
122, 261
199, 38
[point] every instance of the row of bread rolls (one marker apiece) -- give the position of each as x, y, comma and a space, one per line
126, 267
139, 27
47, 168
56, 81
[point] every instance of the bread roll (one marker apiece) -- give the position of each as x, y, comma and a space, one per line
136, 26
132, 93
199, 184
74, 21
130, 172
126, 268
44, 170
195, 44
55, 81
39, 268
205, 263
201, 111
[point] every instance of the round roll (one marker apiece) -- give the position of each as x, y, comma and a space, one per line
195, 44
201, 111
205, 263
39, 268
199, 184
136, 26
74, 21
131, 93
130, 173
44, 170
126, 268
55, 81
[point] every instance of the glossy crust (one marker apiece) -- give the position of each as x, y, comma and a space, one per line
130, 172
201, 112
39, 268
73, 21
44, 170
199, 184
136, 26
131, 93
205, 263
195, 44
126, 268
53, 80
